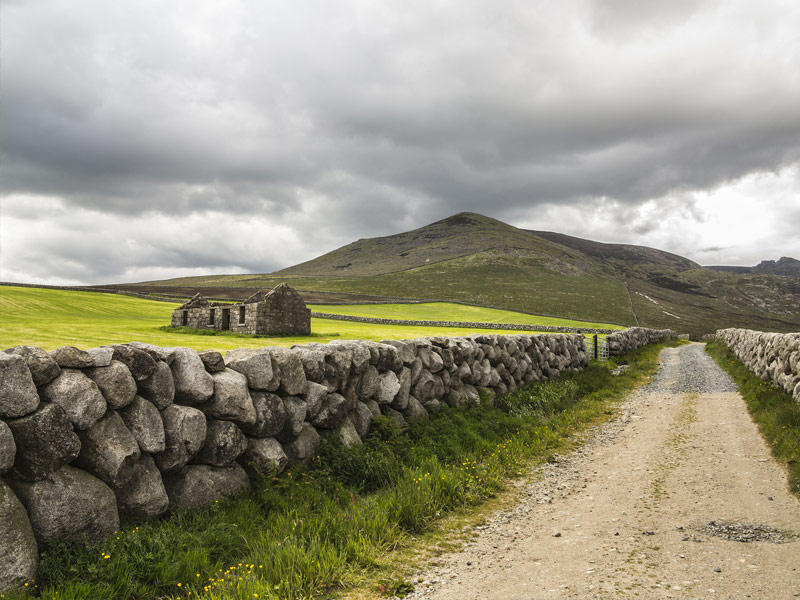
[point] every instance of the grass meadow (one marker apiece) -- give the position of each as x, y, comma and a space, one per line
52, 318
356, 521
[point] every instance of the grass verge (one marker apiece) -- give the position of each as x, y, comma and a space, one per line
341, 522
775, 412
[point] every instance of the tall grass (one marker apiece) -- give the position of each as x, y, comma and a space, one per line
324, 526
775, 412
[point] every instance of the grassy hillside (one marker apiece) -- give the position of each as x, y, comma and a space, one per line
52, 318
447, 311
478, 260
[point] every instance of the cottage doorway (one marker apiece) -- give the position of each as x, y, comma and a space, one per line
226, 319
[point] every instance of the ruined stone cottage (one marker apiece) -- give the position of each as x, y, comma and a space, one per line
280, 311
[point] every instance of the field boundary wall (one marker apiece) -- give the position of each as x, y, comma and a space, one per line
135, 431
773, 357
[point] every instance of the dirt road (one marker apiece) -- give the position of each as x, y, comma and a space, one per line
646, 509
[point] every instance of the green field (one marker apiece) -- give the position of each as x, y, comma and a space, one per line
447, 311
52, 318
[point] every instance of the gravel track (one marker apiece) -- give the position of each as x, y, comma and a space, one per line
678, 497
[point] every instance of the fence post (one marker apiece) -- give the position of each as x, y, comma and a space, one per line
594, 345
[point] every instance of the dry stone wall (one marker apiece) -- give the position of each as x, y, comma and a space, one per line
134, 431
772, 356
636, 337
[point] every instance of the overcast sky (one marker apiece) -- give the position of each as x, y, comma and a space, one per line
148, 139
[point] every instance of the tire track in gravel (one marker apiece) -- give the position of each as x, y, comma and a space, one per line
637, 511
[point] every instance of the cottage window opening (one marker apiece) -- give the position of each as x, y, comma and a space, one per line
241, 315
185, 318
211, 316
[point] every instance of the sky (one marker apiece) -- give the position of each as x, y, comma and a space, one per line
144, 139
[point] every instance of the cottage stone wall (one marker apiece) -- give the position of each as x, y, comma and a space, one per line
134, 431
772, 356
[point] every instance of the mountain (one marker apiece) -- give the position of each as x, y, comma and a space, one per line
784, 266
475, 259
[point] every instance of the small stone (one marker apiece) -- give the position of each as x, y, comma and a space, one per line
717, 570
212, 360
557, 534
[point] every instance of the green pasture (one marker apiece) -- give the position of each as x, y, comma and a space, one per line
447, 311
52, 318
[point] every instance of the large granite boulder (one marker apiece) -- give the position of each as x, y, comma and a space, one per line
388, 387
144, 422
290, 370
332, 413
201, 485
69, 505
159, 388
184, 433
139, 361
143, 496
42, 366
193, 384
19, 556
18, 395
108, 450
115, 382
264, 456
45, 442
271, 415
78, 395
256, 365
224, 443
231, 400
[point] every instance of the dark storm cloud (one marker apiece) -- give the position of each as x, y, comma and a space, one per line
361, 118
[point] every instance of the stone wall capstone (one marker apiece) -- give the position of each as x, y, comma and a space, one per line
771, 356
137, 431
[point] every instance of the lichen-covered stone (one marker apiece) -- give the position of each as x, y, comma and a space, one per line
290, 371
304, 446
264, 456
212, 361
224, 443
314, 395
140, 363
78, 395
184, 433
45, 442
69, 505
115, 382
19, 556
108, 450
18, 395
143, 496
231, 400
8, 448
193, 384
296, 410
388, 386
159, 388
415, 411
361, 417
42, 366
195, 486
271, 415
101, 357
332, 413
143, 420
72, 358
256, 365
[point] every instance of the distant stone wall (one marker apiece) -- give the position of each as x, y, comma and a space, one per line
465, 324
621, 342
772, 356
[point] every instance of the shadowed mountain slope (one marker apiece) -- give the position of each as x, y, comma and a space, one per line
475, 259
